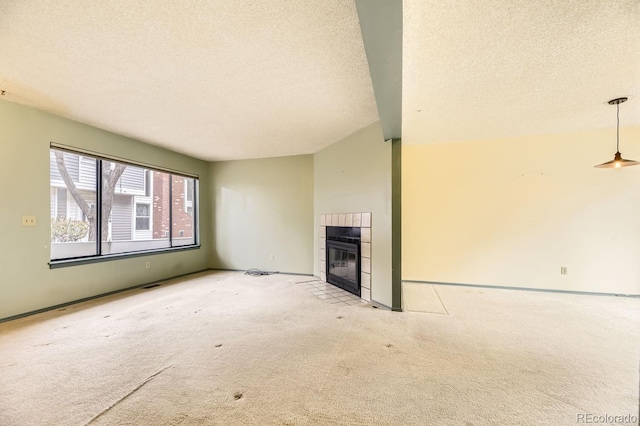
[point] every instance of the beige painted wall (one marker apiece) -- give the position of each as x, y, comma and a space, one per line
511, 212
354, 175
26, 282
263, 207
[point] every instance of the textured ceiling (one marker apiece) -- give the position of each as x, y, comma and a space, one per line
235, 79
216, 80
501, 68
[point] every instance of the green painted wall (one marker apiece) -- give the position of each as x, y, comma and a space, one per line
263, 207
396, 222
26, 282
354, 175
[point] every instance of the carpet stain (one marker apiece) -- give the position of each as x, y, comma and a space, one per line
339, 317
106, 316
219, 345
388, 345
237, 396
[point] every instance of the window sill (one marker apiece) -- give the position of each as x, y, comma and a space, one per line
63, 263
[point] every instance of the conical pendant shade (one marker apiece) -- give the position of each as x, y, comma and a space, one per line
617, 161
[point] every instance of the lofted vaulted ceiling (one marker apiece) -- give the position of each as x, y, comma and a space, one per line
231, 79
221, 79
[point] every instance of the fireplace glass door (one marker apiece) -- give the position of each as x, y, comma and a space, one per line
343, 266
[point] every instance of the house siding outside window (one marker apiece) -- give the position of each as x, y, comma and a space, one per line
136, 209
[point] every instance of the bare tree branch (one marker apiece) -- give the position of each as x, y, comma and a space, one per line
71, 186
109, 180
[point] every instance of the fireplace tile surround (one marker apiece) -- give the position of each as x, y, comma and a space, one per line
360, 220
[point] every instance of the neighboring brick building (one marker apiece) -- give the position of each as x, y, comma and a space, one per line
182, 206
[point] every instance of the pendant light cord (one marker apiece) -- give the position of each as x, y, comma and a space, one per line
617, 127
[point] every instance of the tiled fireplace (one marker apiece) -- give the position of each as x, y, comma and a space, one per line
362, 223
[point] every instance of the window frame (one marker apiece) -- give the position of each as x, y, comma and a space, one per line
99, 256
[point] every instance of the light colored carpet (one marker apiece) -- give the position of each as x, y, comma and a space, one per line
421, 298
224, 348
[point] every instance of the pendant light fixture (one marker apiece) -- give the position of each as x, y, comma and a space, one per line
617, 161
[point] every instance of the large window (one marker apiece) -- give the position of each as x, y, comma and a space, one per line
101, 207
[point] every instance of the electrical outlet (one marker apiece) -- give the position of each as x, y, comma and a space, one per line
28, 221
147, 265
563, 270
272, 257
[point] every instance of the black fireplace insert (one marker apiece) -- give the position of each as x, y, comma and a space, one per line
343, 258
